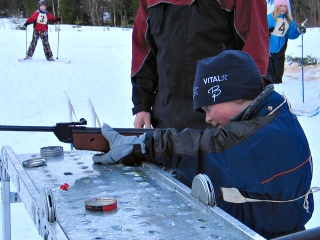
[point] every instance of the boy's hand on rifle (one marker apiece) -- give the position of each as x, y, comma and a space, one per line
121, 147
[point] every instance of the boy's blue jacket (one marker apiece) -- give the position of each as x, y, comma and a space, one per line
170, 36
277, 41
263, 152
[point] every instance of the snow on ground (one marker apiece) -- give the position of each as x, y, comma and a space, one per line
35, 92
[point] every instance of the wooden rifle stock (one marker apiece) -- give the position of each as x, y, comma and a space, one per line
87, 139
82, 138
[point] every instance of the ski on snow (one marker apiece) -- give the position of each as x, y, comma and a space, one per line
66, 62
308, 113
25, 59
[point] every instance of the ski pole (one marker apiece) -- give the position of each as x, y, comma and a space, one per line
58, 40
302, 61
26, 38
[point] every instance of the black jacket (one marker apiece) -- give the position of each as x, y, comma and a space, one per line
170, 37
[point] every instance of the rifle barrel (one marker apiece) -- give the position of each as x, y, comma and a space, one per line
75, 129
83, 138
26, 128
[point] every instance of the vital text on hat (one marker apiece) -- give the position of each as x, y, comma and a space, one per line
218, 78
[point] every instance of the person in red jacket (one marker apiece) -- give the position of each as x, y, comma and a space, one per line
170, 36
40, 20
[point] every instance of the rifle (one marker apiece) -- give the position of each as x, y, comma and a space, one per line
82, 138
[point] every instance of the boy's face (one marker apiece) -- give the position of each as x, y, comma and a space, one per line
43, 7
220, 114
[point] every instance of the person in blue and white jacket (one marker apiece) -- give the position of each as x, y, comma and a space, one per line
255, 149
281, 27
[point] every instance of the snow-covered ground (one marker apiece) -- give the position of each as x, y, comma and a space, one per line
35, 92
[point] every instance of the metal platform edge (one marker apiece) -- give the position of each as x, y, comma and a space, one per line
234, 224
11, 169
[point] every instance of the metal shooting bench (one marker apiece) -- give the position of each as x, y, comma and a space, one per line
151, 204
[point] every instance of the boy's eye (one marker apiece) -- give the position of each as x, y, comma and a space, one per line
205, 109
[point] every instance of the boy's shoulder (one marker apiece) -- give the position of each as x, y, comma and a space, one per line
48, 13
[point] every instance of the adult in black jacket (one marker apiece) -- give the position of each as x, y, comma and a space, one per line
169, 37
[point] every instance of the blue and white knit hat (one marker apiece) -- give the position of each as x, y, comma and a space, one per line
41, 2
231, 75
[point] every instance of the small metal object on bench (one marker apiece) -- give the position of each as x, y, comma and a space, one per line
101, 204
202, 189
51, 151
34, 162
49, 205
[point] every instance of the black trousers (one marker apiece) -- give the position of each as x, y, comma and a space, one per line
276, 64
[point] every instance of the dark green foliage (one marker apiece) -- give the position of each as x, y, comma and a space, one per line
124, 11
306, 9
73, 12
134, 5
29, 7
4, 8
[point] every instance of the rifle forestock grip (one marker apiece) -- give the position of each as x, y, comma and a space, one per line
83, 138
96, 141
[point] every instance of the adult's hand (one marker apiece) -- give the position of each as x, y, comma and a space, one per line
142, 120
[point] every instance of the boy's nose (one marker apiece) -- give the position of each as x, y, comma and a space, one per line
208, 119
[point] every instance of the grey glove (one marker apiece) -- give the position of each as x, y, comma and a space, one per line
302, 29
120, 146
